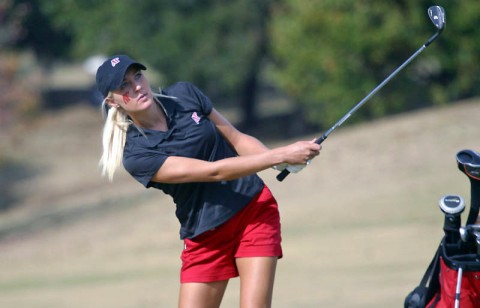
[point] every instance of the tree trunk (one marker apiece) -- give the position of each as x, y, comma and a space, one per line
250, 87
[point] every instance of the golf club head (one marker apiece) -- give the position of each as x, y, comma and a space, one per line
469, 231
452, 204
468, 162
437, 16
464, 235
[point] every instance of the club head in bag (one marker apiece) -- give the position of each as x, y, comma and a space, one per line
452, 204
470, 232
464, 235
437, 16
469, 163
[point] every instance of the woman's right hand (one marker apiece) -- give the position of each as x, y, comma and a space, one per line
301, 152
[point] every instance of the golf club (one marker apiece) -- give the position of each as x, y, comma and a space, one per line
452, 206
437, 16
470, 232
459, 287
468, 162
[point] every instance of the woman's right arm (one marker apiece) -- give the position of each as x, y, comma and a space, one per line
182, 170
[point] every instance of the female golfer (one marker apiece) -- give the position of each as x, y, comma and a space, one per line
177, 142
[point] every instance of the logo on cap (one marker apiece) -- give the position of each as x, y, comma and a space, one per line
115, 61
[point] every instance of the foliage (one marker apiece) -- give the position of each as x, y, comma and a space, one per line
215, 44
331, 54
326, 54
27, 28
19, 77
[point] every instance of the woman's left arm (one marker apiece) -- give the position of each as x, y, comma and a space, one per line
242, 143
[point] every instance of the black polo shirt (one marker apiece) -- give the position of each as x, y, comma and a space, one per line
199, 206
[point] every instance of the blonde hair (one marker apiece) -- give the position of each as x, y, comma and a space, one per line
113, 138
115, 134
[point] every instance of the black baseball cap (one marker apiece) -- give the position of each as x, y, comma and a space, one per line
111, 73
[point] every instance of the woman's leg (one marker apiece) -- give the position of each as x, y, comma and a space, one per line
257, 275
202, 295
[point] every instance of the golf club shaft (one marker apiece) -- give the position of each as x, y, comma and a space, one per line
474, 201
459, 287
282, 175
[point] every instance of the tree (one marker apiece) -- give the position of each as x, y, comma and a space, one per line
29, 29
219, 45
19, 82
331, 53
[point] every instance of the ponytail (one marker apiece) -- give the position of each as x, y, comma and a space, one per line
113, 139
114, 136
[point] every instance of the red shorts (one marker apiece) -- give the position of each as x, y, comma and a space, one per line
252, 232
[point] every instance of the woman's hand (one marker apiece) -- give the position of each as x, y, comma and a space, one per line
301, 152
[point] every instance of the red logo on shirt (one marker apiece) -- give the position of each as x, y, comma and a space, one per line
196, 118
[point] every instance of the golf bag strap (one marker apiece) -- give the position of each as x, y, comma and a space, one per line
433, 269
429, 284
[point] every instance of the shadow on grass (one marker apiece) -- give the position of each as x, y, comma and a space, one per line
12, 172
60, 98
280, 127
50, 218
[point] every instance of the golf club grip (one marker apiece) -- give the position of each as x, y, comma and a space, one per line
282, 175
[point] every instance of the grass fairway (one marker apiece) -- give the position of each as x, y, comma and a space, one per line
360, 224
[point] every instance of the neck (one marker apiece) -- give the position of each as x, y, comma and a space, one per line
154, 118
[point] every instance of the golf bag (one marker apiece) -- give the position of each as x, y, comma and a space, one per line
452, 278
